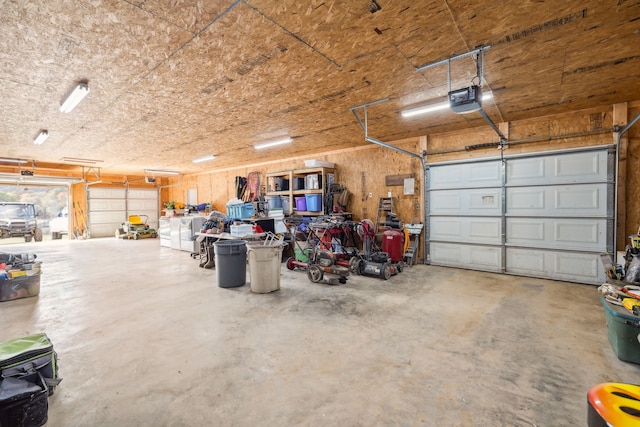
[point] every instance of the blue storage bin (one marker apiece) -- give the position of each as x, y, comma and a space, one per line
274, 202
314, 202
242, 211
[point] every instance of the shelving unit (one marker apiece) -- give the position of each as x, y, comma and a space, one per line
304, 174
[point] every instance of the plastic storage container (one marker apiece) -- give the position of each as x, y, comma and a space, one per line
241, 230
623, 330
318, 163
264, 266
301, 203
286, 205
279, 184
274, 201
20, 287
240, 211
231, 261
298, 183
314, 181
314, 202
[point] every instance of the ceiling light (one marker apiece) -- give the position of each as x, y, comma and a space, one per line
204, 159
41, 138
79, 160
425, 109
161, 172
273, 143
18, 161
74, 98
436, 107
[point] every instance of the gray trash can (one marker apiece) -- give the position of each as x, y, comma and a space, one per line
264, 266
231, 262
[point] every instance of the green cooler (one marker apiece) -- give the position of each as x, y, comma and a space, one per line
623, 329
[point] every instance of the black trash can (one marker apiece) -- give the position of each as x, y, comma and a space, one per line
231, 263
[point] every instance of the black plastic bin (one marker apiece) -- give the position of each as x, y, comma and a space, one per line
231, 263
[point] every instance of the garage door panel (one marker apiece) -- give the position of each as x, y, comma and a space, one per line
481, 201
143, 194
106, 205
482, 174
107, 218
563, 233
569, 266
138, 205
582, 200
109, 208
103, 230
466, 229
107, 193
477, 257
563, 168
557, 210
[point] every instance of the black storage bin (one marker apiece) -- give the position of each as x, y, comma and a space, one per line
280, 184
24, 401
298, 183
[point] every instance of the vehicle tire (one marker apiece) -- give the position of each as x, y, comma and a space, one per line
386, 272
154, 235
290, 264
314, 273
38, 235
354, 265
135, 236
27, 238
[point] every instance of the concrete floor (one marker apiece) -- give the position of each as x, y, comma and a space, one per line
146, 338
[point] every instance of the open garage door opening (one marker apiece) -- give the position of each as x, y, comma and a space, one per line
32, 213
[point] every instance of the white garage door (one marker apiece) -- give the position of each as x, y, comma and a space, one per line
144, 203
110, 207
546, 215
107, 210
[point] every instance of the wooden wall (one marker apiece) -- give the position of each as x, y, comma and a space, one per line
363, 170
360, 170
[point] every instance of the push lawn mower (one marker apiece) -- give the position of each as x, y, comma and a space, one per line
135, 228
372, 262
322, 266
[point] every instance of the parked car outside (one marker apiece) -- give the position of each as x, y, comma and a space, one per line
59, 226
19, 220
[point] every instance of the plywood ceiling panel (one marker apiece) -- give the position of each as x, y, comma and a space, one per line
171, 81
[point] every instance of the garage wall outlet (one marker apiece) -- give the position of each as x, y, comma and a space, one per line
370, 195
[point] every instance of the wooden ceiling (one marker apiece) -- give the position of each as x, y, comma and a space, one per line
175, 80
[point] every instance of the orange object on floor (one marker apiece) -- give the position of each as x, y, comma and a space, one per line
614, 404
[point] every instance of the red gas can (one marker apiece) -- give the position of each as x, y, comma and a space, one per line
392, 243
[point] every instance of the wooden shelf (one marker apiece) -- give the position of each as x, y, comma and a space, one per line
300, 173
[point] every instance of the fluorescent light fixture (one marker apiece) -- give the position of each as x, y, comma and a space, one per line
273, 143
436, 107
41, 138
79, 160
74, 98
9, 178
18, 161
204, 159
161, 172
425, 109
